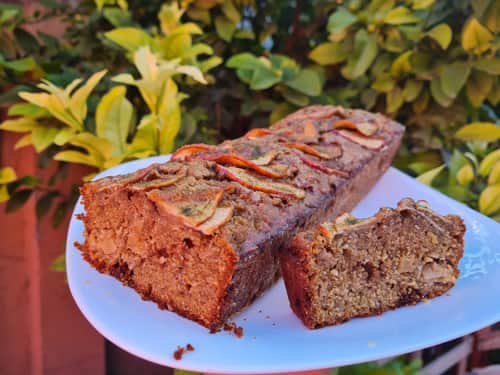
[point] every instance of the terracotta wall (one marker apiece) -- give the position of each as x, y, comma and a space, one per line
42, 330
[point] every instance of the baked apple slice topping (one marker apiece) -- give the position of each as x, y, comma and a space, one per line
160, 181
318, 152
185, 152
191, 207
322, 168
370, 143
327, 230
239, 161
220, 217
267, 158
242, 177
364, 128
258, 132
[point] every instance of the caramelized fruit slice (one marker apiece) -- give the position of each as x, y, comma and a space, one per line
364, 128
258, 132
240, 161
323, 168
310, 130
327, 154
191, 207
186, 151
369, 143
160, 181
221, 216
124, 180
241, 176
267, 158
327, 230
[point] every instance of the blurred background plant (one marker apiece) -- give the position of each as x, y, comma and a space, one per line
134, 79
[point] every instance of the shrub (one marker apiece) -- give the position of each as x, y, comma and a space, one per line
208, 70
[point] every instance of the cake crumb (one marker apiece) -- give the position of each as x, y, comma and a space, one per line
233, 328
372, 344
180, 351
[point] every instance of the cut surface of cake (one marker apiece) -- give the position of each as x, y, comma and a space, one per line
200, 235
361, 267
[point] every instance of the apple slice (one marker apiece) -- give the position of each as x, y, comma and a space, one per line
364, 128
221, 216
130, 178
239, 161
315, 113
241, 176
323, 168
267, 158
186, 151
160, 182
310, 130
191, 207
258, 132
366, 142
314, 151
327, 230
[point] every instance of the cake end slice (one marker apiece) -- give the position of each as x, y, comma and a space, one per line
362, 267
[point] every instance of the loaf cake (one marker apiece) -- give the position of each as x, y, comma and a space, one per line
200, 235
360, 267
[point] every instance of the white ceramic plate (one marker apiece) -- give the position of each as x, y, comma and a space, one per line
274, 339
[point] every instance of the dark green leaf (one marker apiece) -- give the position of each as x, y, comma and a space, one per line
365, 51
117, 17
307, 82
59, 264
59, 214
453, 78
43, 204
17, 200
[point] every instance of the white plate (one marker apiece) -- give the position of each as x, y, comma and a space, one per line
274, 339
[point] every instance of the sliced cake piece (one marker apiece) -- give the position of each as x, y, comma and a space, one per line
361, 267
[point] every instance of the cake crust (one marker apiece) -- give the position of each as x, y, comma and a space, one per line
200, 235
363, 267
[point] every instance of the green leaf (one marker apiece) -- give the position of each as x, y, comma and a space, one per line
59, 214
307, 82
169, 17
113, 119
453, 78
225, 28
19, 125
230, 11
280, 111
78, 101
7, 174
475, 37
20, 65
412, 90
244, 34
77, 157
365, 51
296, 98
59, 264
488, 163
43, 204
442, 34
27, 109
422, 4
4, 194
243, 61
402, 64
42, 137
494, 177
17, 200
383, 82
421, 103
489, 200
129, 38
328, 53
394, 100
438, 93
400, 15
479, 131
117, 17
489, 65
478, 87
465, 175
210, 63
429, 176
340, 19
63, 136
263, 78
